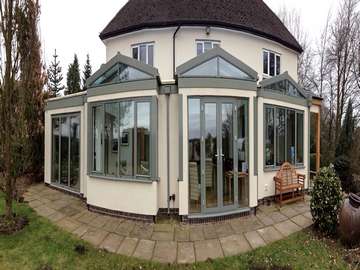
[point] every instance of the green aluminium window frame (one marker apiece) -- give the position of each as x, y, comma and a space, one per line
274, 166
153, 142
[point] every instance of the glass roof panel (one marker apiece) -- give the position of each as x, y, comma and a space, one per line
207, 69
284, 87
228, 70
120, 73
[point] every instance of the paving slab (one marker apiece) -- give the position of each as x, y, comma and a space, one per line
223, 229
254, 239
87, 217
35, 203
95, 236
112, 224
208, 249
165, 251
270, 234
44, 211
100, 221
182, 234
162, 236
308, 215
186, 253
277, 217
302, 221
142, 231
144, 249
125, 228
68, 224
265, 219
289, 211
127, 246
112, 242
209, 232
56, 216
196, 233
68, 211
80, 231
287, 227
234, 244
164, 228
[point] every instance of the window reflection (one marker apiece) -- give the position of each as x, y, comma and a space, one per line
143, 138
126, 145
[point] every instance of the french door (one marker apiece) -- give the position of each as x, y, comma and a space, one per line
224, 151
65, 165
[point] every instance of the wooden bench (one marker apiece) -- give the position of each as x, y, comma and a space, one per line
289, 185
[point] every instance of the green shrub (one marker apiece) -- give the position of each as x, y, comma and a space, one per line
326, 199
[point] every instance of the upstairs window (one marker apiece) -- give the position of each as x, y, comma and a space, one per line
144, 53
271, 63
202, 46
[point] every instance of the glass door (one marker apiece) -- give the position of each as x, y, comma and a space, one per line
65, 165
218, 154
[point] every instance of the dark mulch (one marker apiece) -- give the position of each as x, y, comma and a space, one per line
273, 267
10, 227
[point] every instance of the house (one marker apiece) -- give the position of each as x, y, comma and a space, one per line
192, 114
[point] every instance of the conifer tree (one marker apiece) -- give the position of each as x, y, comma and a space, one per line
55, 77
87, 71
73, 77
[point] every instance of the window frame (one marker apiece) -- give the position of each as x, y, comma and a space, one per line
202, 42
137, 47
153, 171
275, 108
276, 56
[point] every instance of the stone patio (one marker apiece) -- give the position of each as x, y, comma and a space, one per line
169, 243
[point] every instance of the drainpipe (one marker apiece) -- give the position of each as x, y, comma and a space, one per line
174, 47
168, 126
168, 149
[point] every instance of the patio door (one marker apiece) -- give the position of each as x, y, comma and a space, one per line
65, 165
220, 154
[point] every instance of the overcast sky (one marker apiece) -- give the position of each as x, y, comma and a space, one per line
73, 26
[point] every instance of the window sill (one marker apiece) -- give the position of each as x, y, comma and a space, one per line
274, 169
123, 179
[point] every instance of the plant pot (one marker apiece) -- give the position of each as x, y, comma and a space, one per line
350, 220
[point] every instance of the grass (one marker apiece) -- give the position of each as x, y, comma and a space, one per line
42, 244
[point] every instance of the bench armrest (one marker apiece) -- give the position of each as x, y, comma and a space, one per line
301, 178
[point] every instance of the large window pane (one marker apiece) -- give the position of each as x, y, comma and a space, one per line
227, 135
290, 136
75, 152
64, 150
278, 65
98, 124
194, 155
210, 134
151, 55
143, 138
199, 48
111, 142
300, 138
55, 150
266, 62
272, 64
280, 136
243, 152
269, 137
143, 53
126, 138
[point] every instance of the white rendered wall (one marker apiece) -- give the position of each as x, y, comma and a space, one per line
246, 47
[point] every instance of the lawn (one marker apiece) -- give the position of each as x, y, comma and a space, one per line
43, 246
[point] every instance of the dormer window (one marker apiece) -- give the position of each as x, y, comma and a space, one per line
202, 46
271, 63
144, 52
